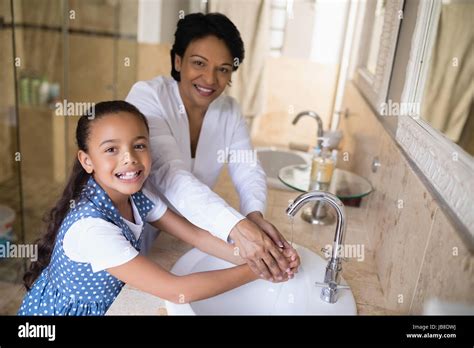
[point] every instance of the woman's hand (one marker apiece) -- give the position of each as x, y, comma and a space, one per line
289, 252
264, 249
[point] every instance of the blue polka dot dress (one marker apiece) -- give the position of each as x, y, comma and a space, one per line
67, 287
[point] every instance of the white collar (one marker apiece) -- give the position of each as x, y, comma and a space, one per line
136, 216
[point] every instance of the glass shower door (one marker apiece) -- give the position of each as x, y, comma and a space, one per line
52, 52
11, 230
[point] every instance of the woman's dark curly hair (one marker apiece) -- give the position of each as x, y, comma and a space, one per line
197, 26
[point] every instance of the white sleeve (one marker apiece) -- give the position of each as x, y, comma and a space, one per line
98, 242
245, 170
193, 199
160, 207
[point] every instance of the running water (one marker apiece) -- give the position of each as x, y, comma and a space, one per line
292, 229
281, 285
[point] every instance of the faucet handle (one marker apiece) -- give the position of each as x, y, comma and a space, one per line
329, 291
327, 253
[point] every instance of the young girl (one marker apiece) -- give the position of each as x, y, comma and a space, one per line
90, 248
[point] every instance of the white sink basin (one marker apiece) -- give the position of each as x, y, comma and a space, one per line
298, 296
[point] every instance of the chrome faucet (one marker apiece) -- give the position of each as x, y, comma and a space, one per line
334, 267
314, 115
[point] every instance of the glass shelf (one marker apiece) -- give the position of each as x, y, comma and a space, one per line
344, 184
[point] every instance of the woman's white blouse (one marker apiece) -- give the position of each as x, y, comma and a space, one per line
224, 138
101, 243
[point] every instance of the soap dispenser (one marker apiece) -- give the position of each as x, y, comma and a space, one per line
322, 166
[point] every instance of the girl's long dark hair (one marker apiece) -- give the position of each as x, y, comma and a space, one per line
77, 179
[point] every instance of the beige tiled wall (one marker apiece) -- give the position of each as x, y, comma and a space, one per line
153, 60
447, 269
413, 242
293, 85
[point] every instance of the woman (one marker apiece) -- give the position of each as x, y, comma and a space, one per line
192, 124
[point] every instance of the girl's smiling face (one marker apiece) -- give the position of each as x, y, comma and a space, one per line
118, 154
205, 70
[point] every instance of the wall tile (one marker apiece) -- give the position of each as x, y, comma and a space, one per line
448, 268
398, 215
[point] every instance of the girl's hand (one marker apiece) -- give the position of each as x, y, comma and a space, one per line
145, 275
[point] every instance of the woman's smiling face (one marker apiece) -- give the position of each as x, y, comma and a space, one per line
118, 154
205, 70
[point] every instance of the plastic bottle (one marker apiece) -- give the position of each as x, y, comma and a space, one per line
322, 166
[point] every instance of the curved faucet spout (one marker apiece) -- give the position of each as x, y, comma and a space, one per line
313, 115
332, 200
333, 268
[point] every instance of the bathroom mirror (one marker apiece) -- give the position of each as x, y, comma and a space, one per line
438, 138
447, 89
433, 120
379, 33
